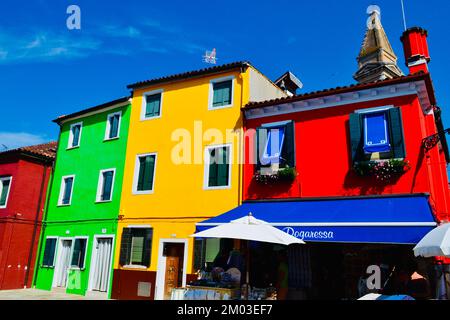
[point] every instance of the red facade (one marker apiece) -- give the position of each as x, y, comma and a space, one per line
20, 221
323, 156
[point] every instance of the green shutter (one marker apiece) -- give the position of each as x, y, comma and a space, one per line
288, 152
153, 105
261, 140
213, 169
356, 137
5, 189
222, 93
147, 247
125, 247
199, 254
397, 141
223, 167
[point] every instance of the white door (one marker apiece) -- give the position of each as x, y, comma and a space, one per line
63, 263
102, 266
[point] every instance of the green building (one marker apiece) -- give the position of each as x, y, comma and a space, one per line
76, 250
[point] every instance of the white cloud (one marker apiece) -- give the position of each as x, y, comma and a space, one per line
14, 140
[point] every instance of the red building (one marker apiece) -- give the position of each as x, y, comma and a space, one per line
24, 174
358, 172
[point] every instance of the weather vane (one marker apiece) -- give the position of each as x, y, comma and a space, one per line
210, 56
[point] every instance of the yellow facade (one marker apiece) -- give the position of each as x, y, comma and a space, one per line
179, 199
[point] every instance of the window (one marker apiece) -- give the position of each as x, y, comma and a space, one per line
75, 135
151, 105
378, 133
144, 173
135, 248
79, 253
65, 194
113, 126
105, 185
221, 93
49, 252
5, 186
275, 145
217, 167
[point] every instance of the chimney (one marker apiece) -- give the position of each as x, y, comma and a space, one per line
415, 47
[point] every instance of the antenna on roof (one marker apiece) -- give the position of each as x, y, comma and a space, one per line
210, 56
5, 147
403, 11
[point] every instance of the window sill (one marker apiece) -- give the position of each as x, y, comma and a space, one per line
71, 148
220, 107
111, 139
63, 205
77, 268
103, 201
48, 267
151, 118
217, 188
137, 193
131, 266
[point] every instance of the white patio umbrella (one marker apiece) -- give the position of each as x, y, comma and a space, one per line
435, 243
251, 229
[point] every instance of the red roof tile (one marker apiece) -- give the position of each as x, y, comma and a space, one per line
45, 150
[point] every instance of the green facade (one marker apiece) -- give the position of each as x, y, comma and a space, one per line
85, 216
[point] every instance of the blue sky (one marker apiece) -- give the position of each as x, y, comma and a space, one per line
47, 70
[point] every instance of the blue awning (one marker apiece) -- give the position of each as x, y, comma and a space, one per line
396, 220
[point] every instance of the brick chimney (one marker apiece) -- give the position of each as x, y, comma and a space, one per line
415, 46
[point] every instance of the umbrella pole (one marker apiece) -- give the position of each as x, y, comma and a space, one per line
247, 258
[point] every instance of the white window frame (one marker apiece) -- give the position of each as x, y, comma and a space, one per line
144, 104
54, 256
61, 190
207, 162
108, 126
211, 92
9, 189
70, 142
101, 183
136, 174
85, 253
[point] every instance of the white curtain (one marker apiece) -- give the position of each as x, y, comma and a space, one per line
103, 261
64, 263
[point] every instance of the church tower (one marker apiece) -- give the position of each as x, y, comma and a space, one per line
376, 60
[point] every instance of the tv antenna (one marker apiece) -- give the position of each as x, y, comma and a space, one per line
403, 12
5, 147
210, 56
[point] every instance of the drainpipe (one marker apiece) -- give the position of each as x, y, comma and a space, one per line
44, 217
36, 221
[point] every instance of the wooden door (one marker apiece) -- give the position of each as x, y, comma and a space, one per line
174, 268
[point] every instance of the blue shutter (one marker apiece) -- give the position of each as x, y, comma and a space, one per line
68, 182
76, 135
376, 132
114, 126
107, 185
261, 141
356, 137
274, 145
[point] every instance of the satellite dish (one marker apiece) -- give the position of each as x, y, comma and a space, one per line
210, 56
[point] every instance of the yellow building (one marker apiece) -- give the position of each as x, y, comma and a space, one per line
179, 124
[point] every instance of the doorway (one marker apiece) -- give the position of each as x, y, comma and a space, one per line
63, 263
101, 264
171, 267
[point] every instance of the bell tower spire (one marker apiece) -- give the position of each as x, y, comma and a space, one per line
376, 60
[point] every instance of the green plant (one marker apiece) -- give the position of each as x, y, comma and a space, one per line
287, 174
382, 170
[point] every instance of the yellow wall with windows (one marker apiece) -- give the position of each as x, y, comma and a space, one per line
179, 199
